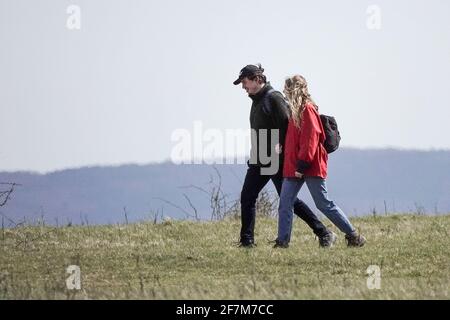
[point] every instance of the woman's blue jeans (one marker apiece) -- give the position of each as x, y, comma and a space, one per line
318, 189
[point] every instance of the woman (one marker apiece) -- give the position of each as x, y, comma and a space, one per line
306, 161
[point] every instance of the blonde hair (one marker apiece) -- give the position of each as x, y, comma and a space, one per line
297, 94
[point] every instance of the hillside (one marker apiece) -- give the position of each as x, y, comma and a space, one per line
198, 260
360, 181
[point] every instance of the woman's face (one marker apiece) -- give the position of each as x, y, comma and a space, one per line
285, 91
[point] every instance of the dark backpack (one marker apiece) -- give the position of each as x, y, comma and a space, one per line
332, 136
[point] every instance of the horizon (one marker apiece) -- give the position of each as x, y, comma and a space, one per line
204, 161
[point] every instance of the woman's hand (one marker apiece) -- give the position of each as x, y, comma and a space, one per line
298, 174
278, 148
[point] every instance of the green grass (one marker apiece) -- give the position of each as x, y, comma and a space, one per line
192, 260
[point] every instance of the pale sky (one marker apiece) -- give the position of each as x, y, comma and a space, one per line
115, 90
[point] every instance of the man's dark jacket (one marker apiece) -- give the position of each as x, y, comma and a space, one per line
269, 111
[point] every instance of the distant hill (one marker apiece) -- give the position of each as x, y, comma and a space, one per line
360, 181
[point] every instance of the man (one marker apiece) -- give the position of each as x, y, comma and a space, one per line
268, 120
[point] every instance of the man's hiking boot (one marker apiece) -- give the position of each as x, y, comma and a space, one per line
247, 244
355, 240
328, 240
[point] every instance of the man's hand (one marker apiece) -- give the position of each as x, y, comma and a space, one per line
298, 174
278, 148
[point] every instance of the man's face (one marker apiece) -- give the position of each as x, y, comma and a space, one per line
251, 86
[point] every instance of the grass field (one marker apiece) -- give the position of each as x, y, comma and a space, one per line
199, 260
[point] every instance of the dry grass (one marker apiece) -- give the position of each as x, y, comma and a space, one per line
198, 260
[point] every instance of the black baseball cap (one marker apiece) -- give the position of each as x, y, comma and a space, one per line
249, 71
